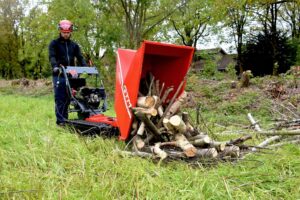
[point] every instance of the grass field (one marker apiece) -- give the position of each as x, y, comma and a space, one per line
42, 161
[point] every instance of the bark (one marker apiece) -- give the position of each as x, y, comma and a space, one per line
266, 142
149, 124
207, 153
185, 119
239, 140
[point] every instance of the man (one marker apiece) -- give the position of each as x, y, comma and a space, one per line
62, 53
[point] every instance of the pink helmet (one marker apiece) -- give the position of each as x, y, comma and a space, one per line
65, 26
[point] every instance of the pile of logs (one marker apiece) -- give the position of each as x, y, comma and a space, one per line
162, 130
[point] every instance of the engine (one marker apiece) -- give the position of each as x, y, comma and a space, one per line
90, 97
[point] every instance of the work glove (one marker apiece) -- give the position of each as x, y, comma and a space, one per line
56, 70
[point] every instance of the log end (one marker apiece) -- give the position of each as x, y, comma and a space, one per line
221, 146
190, 152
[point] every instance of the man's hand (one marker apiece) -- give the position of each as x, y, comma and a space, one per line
73, 73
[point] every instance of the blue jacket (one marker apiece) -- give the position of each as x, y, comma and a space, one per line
63, 52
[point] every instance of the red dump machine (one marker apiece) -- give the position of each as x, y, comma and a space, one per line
166, 62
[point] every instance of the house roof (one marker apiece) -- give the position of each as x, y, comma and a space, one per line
222, 62
211, 51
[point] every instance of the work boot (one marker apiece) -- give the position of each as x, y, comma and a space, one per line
61, 124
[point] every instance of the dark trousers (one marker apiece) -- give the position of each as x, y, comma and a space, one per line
62, 99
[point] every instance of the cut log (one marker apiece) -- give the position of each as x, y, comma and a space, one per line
178, 124
141, 129
146, 102
138, 142
231, 151
148, 111
167, 125
220, 146
207, 153
188, 149
201, 142
157, 151
174, 108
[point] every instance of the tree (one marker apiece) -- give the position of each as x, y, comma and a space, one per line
141, 19
291, 15
237, 14
34, 40
258, 55
10, 15
190, 21
268, 15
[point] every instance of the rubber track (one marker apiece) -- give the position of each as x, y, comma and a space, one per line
93, 128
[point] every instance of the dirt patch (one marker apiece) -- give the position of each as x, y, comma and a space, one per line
26, 86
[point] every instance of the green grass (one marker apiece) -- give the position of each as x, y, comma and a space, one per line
42, 161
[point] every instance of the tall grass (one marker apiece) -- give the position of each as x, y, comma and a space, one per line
42, 161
